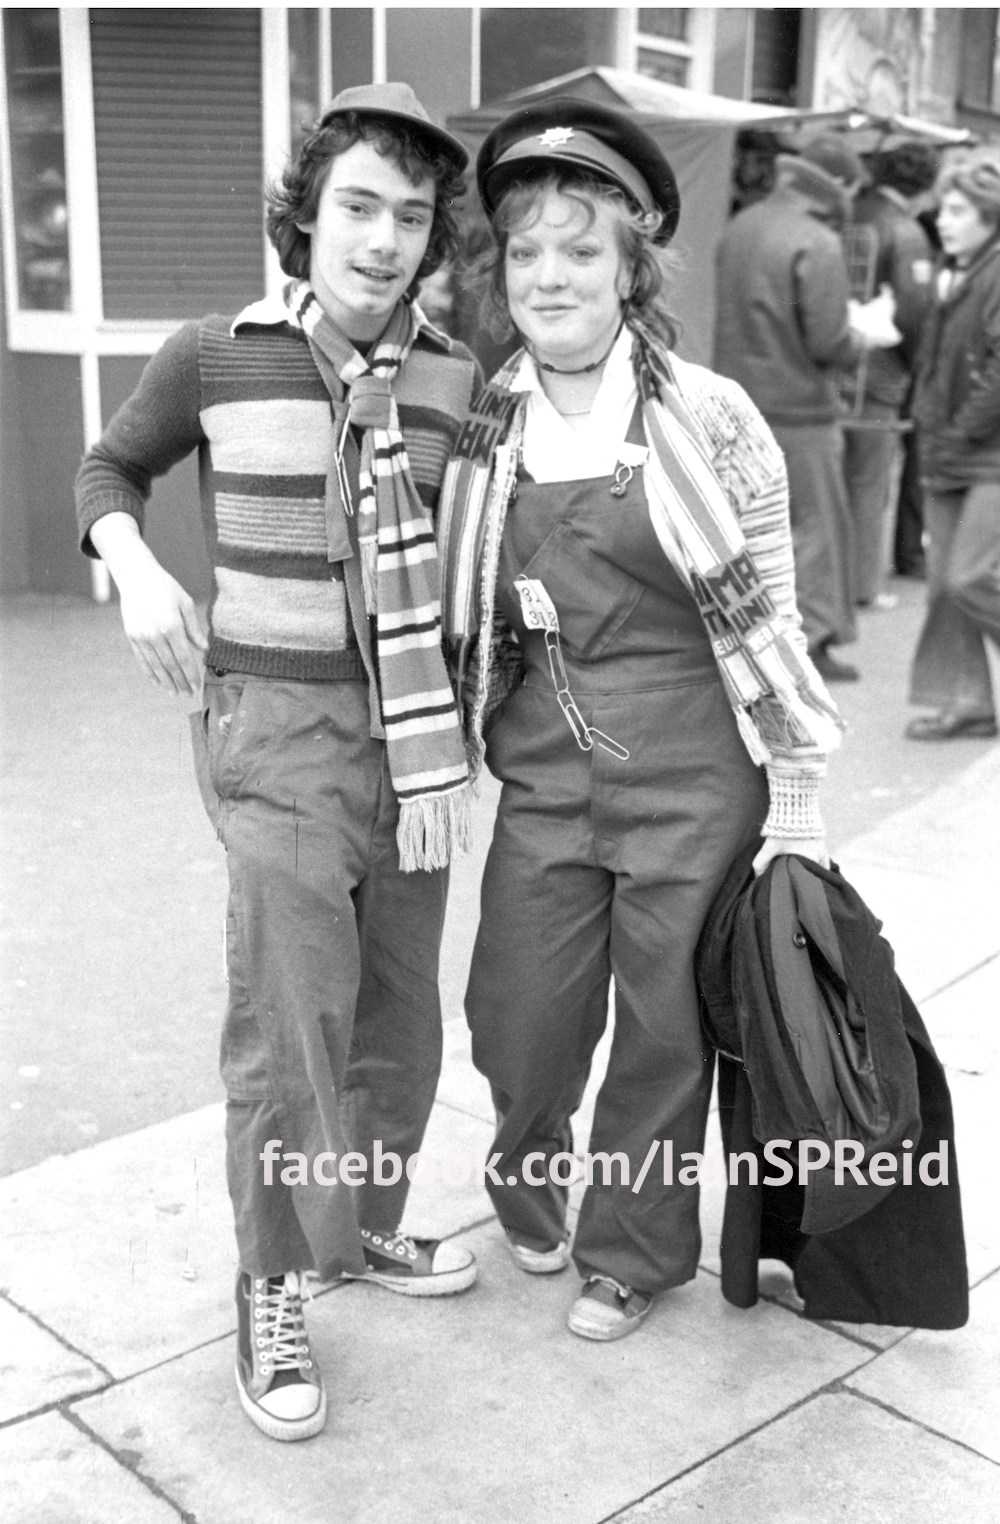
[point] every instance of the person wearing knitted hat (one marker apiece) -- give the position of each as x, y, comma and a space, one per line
784, 331
621, 628
326, 743
956, 409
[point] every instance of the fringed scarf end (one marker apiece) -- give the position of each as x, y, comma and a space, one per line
431, 829
369, 574
751, 737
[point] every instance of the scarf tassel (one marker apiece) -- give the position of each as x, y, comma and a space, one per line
431, 829
369, 574
750, 736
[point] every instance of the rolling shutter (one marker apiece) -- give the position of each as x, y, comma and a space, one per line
177, 108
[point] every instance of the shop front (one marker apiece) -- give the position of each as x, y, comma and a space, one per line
135, 146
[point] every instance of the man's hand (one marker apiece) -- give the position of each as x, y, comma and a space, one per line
161, 623
160, 620
874, 322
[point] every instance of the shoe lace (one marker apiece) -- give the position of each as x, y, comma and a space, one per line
393, 1243
623, 1292
279, 1324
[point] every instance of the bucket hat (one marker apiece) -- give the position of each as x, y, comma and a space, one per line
397, 103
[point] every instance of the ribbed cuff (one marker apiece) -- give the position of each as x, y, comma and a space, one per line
110, 502
794, 792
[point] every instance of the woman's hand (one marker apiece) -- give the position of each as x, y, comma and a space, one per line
813, 847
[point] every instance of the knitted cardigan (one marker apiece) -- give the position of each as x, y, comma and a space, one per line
247, 396
751, 469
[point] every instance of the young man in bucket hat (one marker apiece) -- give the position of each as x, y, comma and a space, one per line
327, 748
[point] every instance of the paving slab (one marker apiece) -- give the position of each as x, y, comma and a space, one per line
963, 1021
51, 1473
475, 1407
450, 1196
936, 933
37, 1369
118, 1248
145, 1223
948, 1381
461, 1085
928, 872
976, 1102
833, 1460
952, 833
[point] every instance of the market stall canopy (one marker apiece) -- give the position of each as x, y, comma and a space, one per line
697, 132
868, 132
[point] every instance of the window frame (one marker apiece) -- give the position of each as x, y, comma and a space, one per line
83, 329
697, 51
964, 99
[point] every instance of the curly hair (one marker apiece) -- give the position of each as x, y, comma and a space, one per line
519, 208
977, 177
294, 198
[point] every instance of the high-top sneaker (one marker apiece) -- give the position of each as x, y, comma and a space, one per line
415, 1266
278, 1381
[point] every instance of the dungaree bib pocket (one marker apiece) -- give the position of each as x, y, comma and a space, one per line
592, 597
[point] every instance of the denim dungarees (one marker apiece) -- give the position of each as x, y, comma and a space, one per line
602, 869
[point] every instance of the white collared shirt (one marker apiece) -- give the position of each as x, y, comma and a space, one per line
553, 450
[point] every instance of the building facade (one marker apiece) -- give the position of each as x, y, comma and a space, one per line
134, 144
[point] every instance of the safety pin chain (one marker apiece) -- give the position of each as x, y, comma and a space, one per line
342, 477
585, 735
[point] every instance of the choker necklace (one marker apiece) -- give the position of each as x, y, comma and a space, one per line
580, 412
584, 370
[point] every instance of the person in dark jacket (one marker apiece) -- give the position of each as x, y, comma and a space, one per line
903, 261
782, 332
957, 413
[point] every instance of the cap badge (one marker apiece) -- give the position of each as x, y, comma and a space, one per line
556, 137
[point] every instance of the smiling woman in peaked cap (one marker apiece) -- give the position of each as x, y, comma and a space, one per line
622, 634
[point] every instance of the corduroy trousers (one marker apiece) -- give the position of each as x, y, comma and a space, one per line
332, 1035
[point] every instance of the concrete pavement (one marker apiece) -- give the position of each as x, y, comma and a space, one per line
116, 1317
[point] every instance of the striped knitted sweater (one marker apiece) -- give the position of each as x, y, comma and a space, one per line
247, 396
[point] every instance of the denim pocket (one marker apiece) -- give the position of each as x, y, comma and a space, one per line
592, 597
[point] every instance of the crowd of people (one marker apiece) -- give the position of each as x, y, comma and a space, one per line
857, 306
584, 574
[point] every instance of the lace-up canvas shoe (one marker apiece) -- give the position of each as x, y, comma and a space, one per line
416, 1266
539, 1261
606, 1309
278, 1381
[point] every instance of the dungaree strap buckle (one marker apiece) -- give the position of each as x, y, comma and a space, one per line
632, 455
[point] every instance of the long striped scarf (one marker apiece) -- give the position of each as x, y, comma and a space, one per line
781, 706
400, 578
